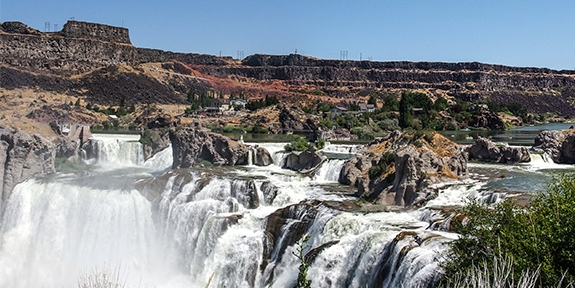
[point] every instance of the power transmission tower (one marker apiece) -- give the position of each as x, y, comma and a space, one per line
240, 54
343, 55
47, 26
55, 27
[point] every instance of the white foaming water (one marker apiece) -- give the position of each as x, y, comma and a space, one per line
115, 150
206, 227
329, 171
52, 232
342, 148
544, 161
161, 161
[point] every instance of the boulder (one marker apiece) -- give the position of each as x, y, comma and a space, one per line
559, 145
270, 191
245, 191
191, 146
397, 169
305, 162
486, 150
22, 156
262, 157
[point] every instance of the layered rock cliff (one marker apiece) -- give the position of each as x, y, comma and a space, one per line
22, 156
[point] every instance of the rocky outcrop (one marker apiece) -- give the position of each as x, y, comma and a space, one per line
77, 29
262, 157
284, 228
487, 119
192, 146
560, 145
18, 28
292, 118
22, 156
82, 47
245, 191
270, 191
304, 162
486, 150
465, 81
397, 169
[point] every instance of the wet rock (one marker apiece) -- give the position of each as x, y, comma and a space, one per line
305, 162
22, 156
262, 157
560, 145
270, 191
486, 150
192, 146
245, 191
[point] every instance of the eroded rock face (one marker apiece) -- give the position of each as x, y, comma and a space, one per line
22, 156
397, 169
484, 149
560, 145
191, 146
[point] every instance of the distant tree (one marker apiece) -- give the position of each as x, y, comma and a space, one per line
372, 100
440, 104
391, 103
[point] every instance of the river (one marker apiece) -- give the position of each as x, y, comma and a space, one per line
146, 226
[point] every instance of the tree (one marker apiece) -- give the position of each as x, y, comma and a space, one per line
440, 104
372, 100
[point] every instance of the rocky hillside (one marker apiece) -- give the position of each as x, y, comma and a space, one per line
98, 65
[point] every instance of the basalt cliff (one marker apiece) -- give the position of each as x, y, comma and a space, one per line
98, 64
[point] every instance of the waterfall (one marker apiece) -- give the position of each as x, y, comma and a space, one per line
114, 149
227, 226
53, 231
162, 160
329, 171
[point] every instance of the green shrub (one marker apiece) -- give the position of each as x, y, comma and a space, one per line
297, 144
539, 236
258, 129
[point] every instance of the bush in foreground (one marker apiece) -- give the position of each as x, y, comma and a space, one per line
535, 238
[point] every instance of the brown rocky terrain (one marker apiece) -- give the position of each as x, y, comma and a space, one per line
99, 65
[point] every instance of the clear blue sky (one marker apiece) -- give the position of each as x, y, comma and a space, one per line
517, 33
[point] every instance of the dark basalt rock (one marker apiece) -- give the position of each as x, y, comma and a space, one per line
484, 149
304, 162
262, 157
270, 192
191, 146
560, 145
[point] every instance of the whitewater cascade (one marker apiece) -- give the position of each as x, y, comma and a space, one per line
211, 227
